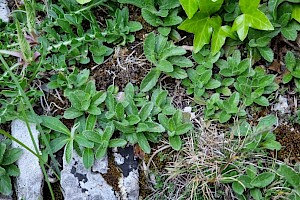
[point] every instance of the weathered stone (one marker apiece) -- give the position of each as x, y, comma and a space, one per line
129, 182
4, 11
101, 165
28, 185
282, 105
79, 183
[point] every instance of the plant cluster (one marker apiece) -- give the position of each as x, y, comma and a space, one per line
125, 117
226, 75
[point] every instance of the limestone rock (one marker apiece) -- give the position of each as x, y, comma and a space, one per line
28, 185
282, 105
129, 182
101, 165
79, 183
4, 11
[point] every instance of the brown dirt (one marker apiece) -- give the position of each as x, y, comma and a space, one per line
113, 173
56, 190
126, 65
289, 138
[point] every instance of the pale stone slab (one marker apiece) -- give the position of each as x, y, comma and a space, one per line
28, 185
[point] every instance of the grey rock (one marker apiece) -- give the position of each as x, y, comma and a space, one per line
119, 159
282, 105
101, 165
131, 185
129, 181
79, 183
4, 11
28, 185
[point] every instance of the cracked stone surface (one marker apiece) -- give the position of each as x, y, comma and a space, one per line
79, 183
4, 11
28, 185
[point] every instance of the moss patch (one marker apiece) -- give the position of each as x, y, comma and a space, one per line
289, 138
113, 174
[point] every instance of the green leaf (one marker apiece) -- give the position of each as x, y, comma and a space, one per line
290, 61
107, 134
271, 145
218, 38
72, 113
117, 143
80, 100
134, 26
94, 110
251, 17
296, 12
267, 53
183, 128
290, 175
263, 179
238, 187
150, 80
201, 27
287, 78
165, 31
92, 136
83, 1
163, 120
133, 119
175, 142
145, 111
224, 117
164, 66
143, 142
212, 84
210, 6
12, 170
23, 44
82, 141
178, 73
266, 123
58, 143
262, 101
101, 152
2, 151
256, 194
190, 7
5, 185
91, 122
88, 158
68, 152
149, 47
290, 31
242, 129
120, 111
2, 171
11, 155
180, 61
98, 98
154, 127
55, 124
